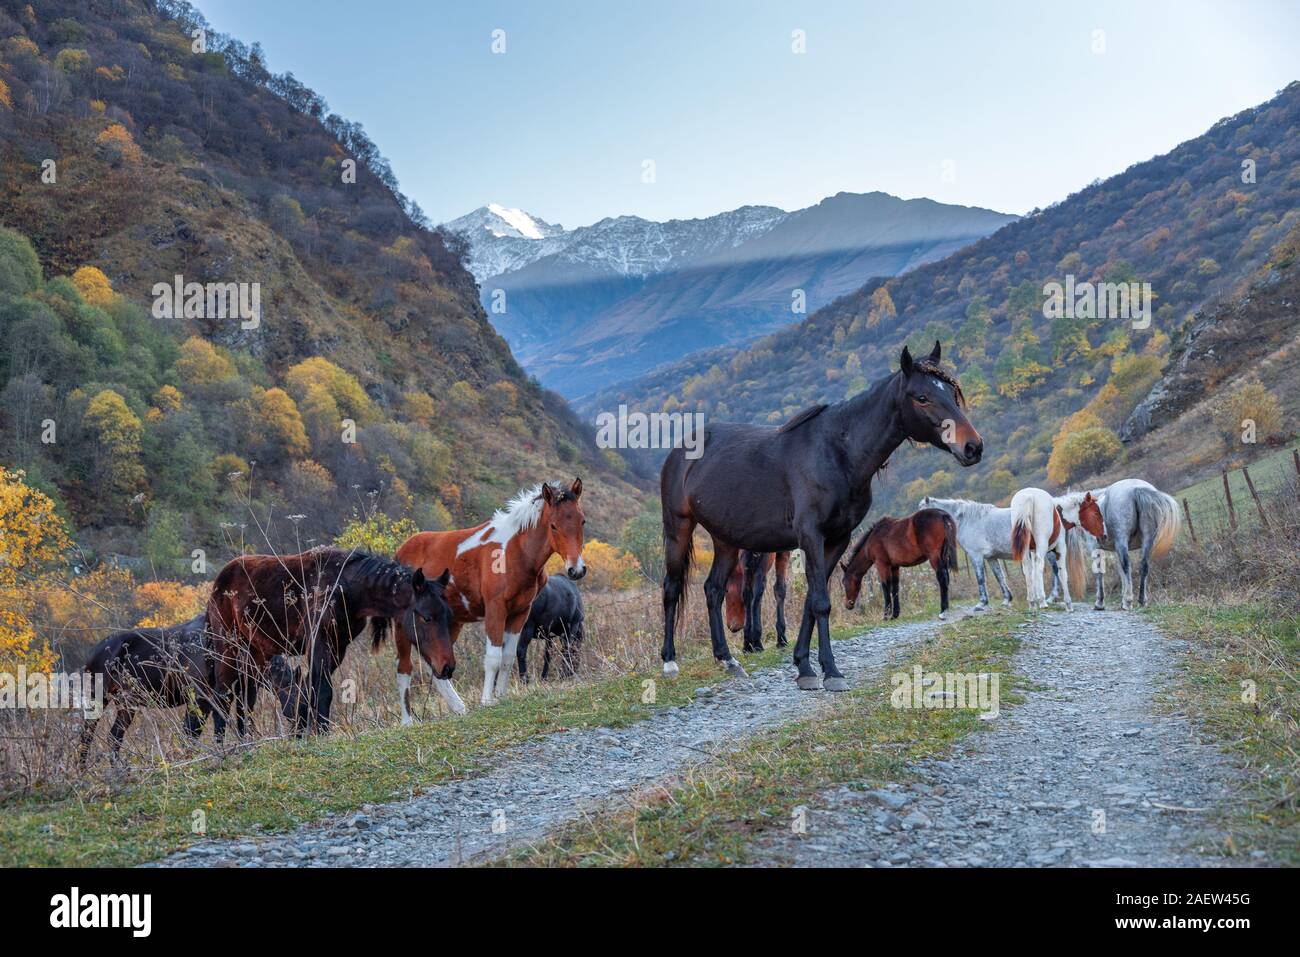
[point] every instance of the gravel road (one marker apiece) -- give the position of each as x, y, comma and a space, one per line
552, 780
1088, 772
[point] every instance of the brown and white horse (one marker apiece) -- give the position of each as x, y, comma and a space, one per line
497, 569
1041, 524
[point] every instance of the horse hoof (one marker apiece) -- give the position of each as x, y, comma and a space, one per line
1098, 607
943, 616
836, 684
407, 720
670, 669
782, 643
735, 668
808, 683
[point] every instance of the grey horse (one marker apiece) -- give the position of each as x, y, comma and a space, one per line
1137, 515
984, 532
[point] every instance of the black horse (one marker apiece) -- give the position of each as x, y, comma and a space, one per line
556, 615
168, 667
806, 485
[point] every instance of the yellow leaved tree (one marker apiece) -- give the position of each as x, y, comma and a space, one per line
32, 538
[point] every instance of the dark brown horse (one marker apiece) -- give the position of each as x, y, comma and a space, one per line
315, 604
744, 601
894, 543
169, 667
806, 485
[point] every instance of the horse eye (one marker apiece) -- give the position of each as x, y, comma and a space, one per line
923, 398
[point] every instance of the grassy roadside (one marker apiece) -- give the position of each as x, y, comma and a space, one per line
1234, 645
712, 814
281, 784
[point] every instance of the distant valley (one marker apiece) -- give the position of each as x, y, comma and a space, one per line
587, 308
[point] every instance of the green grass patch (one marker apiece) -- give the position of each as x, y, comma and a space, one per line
281, 784
1244, 652
1271, 474
712, 815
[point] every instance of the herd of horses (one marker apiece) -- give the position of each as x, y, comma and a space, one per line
760, 493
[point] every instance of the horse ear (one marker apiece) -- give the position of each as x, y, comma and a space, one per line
934, 355
445, 578
548, 493
576, 488
417, 580
905, 362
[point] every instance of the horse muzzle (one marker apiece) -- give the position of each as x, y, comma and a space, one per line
446, 673
968, 453
576, 571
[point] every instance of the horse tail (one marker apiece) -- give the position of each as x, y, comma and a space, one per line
949, 554
378, 632
1022, 524
1169, 521
688, 558
1074, 552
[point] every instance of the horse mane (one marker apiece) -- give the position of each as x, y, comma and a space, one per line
519, 514
862, 542
943, 375
801, 417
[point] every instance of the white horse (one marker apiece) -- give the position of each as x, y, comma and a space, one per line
1040, 526
1136, 515
984, 533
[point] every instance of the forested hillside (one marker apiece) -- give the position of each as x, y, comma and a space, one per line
1050, 395
137, 146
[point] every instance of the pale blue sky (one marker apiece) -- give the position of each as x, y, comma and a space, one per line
1012, 93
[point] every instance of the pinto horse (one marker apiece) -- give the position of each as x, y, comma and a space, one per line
806, 485
744, 600
894, 543
314, 604
1040, 524
496, 570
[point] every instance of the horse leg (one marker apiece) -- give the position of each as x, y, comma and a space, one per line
1099, 576
778, 593
1125, 575
546, 661
322, 685
525, 639
1061, 571
977, 562
510, 648
677, 554
819, 598
715, 592
1056, 578
755, 583
895, 580
1144, 569
1000, 573
223, 675
404, 668
808, 679
941, 575
121, 723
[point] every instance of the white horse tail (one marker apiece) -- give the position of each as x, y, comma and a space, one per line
1022, 526
1169, 518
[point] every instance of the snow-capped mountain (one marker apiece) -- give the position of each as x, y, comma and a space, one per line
505, 240
588, 307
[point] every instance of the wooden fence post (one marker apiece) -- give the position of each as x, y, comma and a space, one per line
1227, 493
1259, 506
1190, 527
1295, 457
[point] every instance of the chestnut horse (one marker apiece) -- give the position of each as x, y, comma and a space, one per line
744, 600
806, 485
893, 543
496, 570
314, 604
